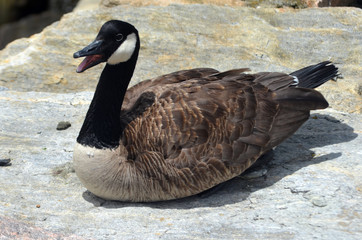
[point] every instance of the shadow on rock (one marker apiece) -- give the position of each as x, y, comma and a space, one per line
293, 154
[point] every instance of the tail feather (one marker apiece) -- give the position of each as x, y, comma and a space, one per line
301, 96
300, 99
315, 75
296, 100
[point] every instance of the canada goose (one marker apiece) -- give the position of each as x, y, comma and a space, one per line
184, 132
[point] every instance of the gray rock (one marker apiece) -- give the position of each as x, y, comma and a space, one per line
312, 189
14, 229
251, 3
254, 174
63, 125
5, 162
3, 88
186, 36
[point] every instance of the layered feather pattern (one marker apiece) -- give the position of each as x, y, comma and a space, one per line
201, 127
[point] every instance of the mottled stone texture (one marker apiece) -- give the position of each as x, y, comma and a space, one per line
186, 36
311, 189
252, 3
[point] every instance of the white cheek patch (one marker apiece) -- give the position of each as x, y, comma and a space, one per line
124, 51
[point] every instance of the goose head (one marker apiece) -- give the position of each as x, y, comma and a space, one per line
116, 42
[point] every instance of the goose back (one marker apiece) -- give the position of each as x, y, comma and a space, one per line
200, 127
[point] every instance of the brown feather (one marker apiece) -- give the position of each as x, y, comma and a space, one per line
200, 127
209, 124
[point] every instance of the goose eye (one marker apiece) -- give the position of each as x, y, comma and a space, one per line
119, 37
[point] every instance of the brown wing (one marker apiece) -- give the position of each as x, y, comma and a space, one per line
157, 84
207, 117
223, 120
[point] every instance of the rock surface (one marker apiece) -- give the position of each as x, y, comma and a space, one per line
252, 3
186, 36
312, 188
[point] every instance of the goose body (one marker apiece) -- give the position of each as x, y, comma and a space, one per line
185, 132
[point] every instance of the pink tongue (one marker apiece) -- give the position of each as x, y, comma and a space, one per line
87, 62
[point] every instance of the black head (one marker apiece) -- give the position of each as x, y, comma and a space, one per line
116, 42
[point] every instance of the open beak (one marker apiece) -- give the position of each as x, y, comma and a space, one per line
92, 54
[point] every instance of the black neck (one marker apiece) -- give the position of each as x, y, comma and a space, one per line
102, 125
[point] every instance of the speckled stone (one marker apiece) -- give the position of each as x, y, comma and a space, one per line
312, 188
186, 36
